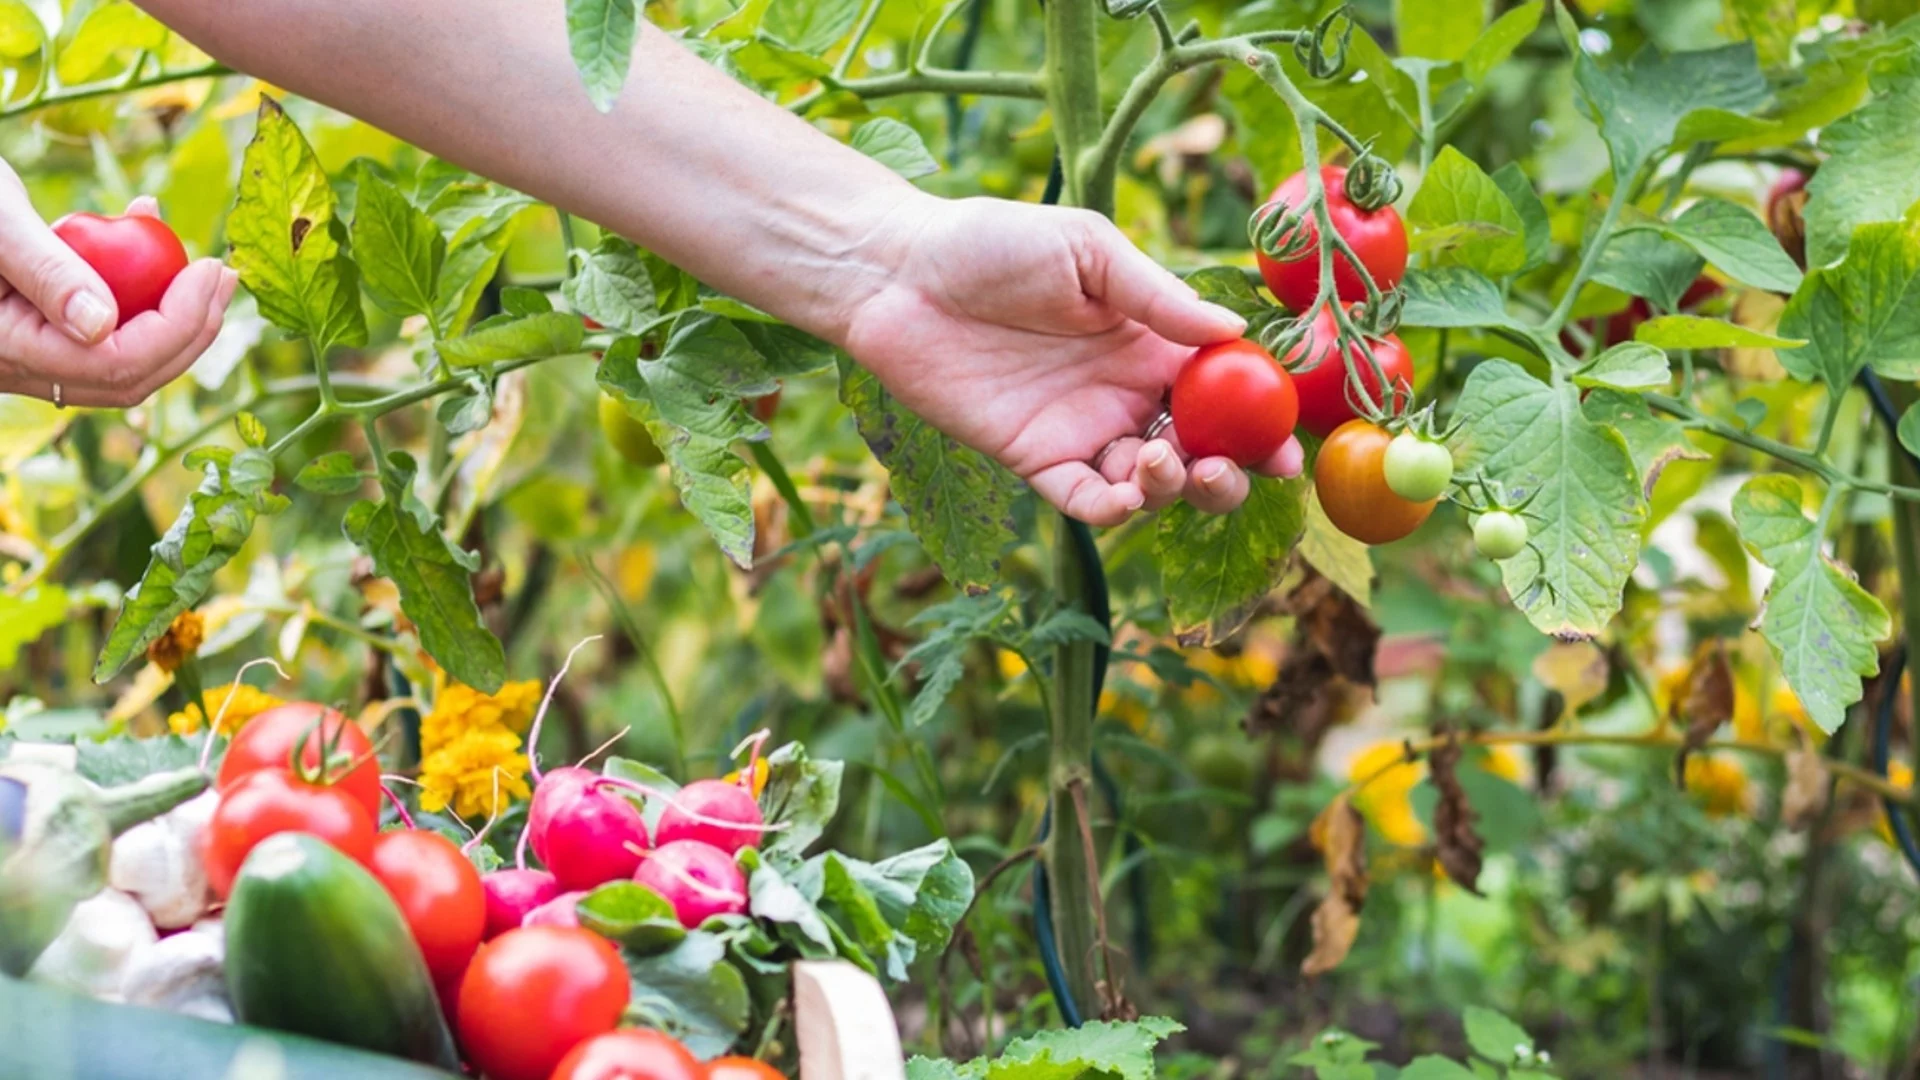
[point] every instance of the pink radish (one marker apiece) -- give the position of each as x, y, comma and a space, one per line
699, 880
584, 833
701, 810
562, 910
511, 894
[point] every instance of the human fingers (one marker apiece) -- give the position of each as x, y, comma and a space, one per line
1216, 485
40, 266
1120, 275
1286, 462
144, 206
35, 352
1075, 489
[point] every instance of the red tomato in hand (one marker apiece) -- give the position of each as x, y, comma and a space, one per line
1323, 389
137, 256
741, 1068
1232, 400
267, 742
632, 1054
438, 891
1379, 238
271, 801
531, 995
1350, 478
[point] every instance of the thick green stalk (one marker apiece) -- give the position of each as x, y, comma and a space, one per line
1906, 546
1070, 866
1073, 95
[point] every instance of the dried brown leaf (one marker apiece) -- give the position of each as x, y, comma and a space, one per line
1706, 703
1457, 845
1341, 834
1807, 789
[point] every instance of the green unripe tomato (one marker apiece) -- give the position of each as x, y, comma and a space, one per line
626, 435
1417, 470
1500, 534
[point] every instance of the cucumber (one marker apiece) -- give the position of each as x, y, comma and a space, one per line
50, 1034
315, 946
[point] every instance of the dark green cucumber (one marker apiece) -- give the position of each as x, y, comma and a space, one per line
49, 1034
315, 946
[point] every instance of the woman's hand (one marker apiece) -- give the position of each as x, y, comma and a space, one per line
57, 318
1043, 337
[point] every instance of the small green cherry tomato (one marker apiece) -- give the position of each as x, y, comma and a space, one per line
1500, 534
1417, 469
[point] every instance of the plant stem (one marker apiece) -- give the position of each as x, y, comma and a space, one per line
1588, 260
1073, 97
867, 17
1069, 861
1776, 449
111, 87
1008, 84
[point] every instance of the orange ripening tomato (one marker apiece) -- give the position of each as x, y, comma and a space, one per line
1350, 478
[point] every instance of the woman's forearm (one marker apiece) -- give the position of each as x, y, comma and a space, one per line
689, 163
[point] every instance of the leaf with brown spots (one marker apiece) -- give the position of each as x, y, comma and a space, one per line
1458, 847
1341, 834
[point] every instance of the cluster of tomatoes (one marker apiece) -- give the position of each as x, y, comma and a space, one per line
1234, 400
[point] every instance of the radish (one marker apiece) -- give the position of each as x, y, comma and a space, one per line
701, 810
698, 879
584, 834
562, 910
512, 894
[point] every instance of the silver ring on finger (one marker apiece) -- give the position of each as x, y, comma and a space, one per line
58, 394
1100, 458
1159, 426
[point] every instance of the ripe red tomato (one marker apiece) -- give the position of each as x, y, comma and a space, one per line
741, 1068
632, 1054
1379, 238
1323, 389
531, 995
267, 742
137, 256
271, 801
438, 891
1232, 400
1350, 478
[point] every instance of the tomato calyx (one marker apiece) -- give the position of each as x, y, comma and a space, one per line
330, 763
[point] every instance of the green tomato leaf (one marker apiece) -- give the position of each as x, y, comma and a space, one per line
1869, 173
1821, 625
435, 578
477, 219
1696, 332
1639, 105
1457, 192
1498, 42
556, 333
199, 184
632, 915
1641, 262
331, 474
1909, 431
1586, 506
1439, 31
896, 146
600, 34
1493, 1036
284, 241
801, 794
1652, 442
1216, 568
398, 247
109, 31
613, 288
25, 616
1340, 558
21, 32
1434, 1067
692, 993
958, 501
210, 530
1538, 230
808, 26
1454, 298
1627, 366
1864, 312
1740, 244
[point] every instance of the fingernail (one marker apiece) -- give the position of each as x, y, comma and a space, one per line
88, 317
1134, 500
1227, 319
1213, 477
1157, 456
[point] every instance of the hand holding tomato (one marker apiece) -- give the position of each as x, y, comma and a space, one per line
60, 323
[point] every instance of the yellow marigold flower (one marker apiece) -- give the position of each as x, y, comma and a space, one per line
1386, 800
181, 640
1900, 775
1505, 762
1010, 664
458, 709
465, 773
234, 704
1126, 708
1719, 783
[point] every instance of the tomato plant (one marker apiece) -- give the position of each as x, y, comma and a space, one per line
1320, 374
137, 256
1233, 401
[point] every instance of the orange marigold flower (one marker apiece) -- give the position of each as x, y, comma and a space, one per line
180, 640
